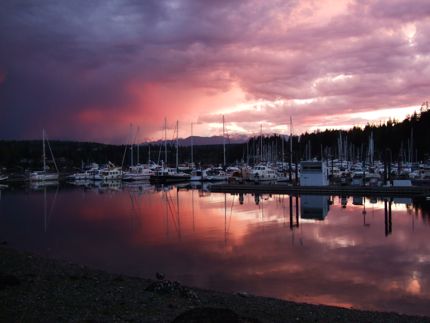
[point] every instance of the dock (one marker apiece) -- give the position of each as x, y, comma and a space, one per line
389, 191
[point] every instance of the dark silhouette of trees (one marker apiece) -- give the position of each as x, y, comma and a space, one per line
408, 140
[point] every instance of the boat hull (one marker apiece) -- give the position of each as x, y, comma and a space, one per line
43, 177
136, 177
162, 179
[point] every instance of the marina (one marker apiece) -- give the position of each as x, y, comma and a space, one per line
214, 161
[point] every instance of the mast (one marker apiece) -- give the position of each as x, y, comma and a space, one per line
192, 145
137, 162
247, 152
132, 143
282, 146
129, 137
371, 149
165, 141
177, 143
290, 174
261, 143
223, 138
44, 154
291, 141
411, 158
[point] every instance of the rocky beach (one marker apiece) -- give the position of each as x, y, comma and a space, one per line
36, 289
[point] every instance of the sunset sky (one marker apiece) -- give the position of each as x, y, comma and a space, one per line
85, 70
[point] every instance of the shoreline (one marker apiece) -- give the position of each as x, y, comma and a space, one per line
33, 288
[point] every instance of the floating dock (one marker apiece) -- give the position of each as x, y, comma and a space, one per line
392, 191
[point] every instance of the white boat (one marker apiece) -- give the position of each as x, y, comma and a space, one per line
43, 176
3, 177
88, 174
262, 173
216, 174
198, 175
138, 173
40, 176
109, 174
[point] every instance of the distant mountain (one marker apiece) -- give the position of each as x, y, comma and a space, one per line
201, 141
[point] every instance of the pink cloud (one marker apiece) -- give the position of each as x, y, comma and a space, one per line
197, 61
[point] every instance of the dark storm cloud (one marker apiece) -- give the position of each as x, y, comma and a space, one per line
85, 69
60, 58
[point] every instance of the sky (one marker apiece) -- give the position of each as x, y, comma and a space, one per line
86, 70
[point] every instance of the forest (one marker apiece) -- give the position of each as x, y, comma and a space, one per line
407, 141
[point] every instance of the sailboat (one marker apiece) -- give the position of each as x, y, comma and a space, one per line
42, 176
169, 175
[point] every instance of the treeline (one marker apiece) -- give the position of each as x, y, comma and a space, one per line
408, 140
27, 155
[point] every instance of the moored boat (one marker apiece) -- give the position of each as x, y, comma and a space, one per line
262, 173
109, 174
138, 173
169, 175
88, 174
44, 175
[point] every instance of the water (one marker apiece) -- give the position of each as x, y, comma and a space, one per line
309, 249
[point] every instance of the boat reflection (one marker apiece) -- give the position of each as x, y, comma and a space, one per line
43, 184
368, 253
314, 207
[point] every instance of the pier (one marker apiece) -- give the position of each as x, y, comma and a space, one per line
392, 191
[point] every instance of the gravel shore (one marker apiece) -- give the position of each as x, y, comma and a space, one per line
35, 289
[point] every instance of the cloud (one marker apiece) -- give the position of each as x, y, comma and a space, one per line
140, 61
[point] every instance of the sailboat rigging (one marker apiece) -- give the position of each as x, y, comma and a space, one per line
44, 175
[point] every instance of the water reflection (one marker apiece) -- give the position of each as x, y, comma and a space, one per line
350, 251
314, 207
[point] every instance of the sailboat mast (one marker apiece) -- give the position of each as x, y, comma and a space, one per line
131, 144
247, 151
223, 138
291, 141
261, 143
411, 158
44, 154
282, 149
165, 141
177, 143
137, 162
192, 144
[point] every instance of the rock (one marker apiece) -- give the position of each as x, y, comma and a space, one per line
160, 276
211, 315
118, 279
172, 288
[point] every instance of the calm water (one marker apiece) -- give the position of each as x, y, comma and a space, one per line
311, 248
